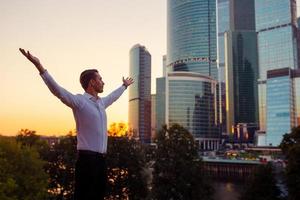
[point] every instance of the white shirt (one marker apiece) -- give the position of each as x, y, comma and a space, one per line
89, 114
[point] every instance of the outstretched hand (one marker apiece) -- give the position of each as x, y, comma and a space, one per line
33, 59
128, 81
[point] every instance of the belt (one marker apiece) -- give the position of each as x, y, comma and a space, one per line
90, 153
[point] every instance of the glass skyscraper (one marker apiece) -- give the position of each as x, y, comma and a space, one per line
276, 27
153, 116
191, 36
139, 113
296, 76
280, 105
241, 65
190, 84
241, 78
223, 26
192, 104
160, 103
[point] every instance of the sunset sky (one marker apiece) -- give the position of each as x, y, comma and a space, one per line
69, 36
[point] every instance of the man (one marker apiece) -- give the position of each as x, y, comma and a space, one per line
90, 117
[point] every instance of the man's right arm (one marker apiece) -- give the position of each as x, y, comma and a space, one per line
65, 96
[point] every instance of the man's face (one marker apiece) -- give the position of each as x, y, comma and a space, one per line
97, 83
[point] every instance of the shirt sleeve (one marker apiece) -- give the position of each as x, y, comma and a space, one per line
65, 96
112, 97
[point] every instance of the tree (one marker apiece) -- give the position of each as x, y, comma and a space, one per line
262, 185
61, 168
21, 172
126, 169
177, 168
29, 138
290, 146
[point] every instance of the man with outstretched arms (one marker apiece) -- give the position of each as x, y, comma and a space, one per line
91, 124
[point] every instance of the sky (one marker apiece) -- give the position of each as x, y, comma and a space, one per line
69, 36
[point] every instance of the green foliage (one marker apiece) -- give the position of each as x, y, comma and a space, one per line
126, 169
21, 172
59, 162
29, 138
177, 169
262, 185
290, 146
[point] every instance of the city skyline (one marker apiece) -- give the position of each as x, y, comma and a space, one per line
68, 37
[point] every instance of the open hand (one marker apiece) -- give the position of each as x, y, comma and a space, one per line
30, 57
128, 81
33, 59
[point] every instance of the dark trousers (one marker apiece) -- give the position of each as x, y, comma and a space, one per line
90, 176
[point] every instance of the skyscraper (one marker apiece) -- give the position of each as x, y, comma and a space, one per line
190, 84
192, 104
191, 36
241, 65
223, 26
161, 113
139, 113
280, 104
296, 76
153, 116
276, 27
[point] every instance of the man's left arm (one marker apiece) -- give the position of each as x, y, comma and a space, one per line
112, 97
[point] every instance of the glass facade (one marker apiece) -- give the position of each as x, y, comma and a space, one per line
276, 27
153, 116
192, 103
223, 16
160, 103
280, 110
241, 78
241, 66
276, 50
297, 96
272, 13
223, 26
191, 36
139, 112
242, 15
262, 91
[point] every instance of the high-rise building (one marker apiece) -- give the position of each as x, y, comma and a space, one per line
190, 84
153, 116
139, 113
223, 26
241, 75
160, 103
241, 65
280, 104
276, 27
160, 98
191, 36
296, 76
192, 104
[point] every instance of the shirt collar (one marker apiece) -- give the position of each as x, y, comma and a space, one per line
90, 96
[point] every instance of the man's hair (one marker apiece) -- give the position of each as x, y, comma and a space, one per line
86, 76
